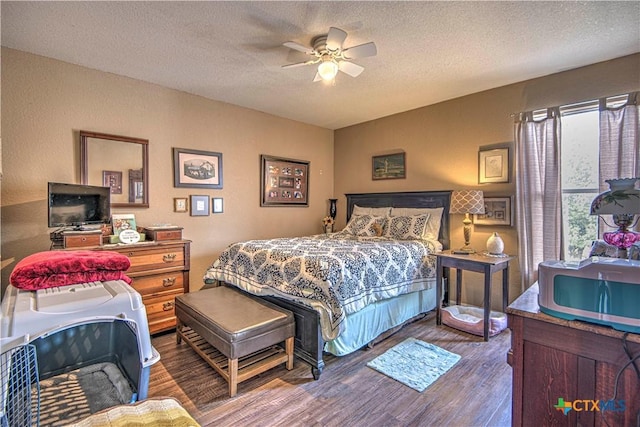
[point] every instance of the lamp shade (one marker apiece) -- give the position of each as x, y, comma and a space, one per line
467, 201
328, 69
621, 198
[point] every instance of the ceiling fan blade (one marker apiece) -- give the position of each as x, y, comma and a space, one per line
361, 51
297, 64
335, 38
350, 68
298, 47
317, 78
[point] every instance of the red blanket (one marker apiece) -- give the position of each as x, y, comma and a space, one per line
60, 268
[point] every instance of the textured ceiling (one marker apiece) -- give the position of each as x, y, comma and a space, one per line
232, 51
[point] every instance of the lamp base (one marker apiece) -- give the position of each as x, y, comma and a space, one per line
466, 250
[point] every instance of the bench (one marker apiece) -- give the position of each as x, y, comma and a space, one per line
237, 335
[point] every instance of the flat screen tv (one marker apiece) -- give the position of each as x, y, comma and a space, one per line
74, 205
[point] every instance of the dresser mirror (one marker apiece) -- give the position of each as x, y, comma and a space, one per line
118, 162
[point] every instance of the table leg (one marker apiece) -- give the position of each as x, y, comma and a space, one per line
487, 301
458, 285
439, 274
505, 288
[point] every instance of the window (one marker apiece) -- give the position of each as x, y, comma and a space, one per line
579, 154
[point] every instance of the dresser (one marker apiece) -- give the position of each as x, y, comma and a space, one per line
564, 372
160, 272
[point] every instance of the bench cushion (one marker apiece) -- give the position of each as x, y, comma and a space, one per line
232, 322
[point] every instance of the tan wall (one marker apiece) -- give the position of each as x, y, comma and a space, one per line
46, 102
441, 142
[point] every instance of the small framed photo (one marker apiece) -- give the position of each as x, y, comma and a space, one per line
216, 205
283, 182
196, 168
493, 165
497, 211
389, 166
113, 180
199, 205
180, 204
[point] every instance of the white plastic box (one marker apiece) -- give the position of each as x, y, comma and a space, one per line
78, 325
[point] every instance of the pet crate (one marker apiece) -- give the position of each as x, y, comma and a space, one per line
92, 344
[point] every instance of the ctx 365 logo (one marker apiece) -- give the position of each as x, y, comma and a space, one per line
589, 405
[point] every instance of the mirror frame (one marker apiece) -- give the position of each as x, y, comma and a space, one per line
84, 163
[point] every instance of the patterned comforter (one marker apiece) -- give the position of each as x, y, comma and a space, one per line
336, 274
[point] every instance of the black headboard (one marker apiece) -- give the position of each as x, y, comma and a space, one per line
408, 199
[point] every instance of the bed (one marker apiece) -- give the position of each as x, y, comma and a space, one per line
381, 282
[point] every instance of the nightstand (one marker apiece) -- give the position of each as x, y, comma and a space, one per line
480, 264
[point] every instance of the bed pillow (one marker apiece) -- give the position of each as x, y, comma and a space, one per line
432, 230
360, 210
60, 268
366, 225
409, 227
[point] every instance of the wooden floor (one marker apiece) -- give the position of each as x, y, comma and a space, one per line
475, 392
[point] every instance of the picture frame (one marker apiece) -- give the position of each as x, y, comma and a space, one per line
493, 165
497, 211
113, 180
180, 204
197, 168
199, 205
388, 166
216, 205
283, 182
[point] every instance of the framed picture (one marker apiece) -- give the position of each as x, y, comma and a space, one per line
180, 204
283, 182
497, 211
216, 204
196, 168
199, 205
113, 180
493, 165
389, 166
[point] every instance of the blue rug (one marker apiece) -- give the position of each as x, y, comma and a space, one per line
414, 363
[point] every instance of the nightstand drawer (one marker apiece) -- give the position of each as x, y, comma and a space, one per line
157, 284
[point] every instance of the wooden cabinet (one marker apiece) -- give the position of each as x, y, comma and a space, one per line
160, 272
578, 362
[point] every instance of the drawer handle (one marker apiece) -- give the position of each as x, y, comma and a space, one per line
168, 257
167, 306
169, 281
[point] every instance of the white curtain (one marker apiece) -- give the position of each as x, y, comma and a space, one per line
619, 141
538, 192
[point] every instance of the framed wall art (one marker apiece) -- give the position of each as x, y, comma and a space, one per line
180, 204
113, 180
216, 205
497, 211
196, 168
493, 165
283, 182
199, 205
389, 166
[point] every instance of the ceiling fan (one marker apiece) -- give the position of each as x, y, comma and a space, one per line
331, 57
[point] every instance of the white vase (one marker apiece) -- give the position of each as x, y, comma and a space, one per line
495, 245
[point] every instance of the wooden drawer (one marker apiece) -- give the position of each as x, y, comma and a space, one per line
162, 235
82, 240
161, 313
157, 284
161, 257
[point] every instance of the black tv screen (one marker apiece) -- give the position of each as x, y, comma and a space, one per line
73, 205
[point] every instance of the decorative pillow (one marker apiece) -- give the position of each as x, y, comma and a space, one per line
60, 268
365, 225
406, 227
432, 230
360, 210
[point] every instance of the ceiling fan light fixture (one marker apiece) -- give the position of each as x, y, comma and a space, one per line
328, 69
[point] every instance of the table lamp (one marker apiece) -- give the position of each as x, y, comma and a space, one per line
622, 200
467, 202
